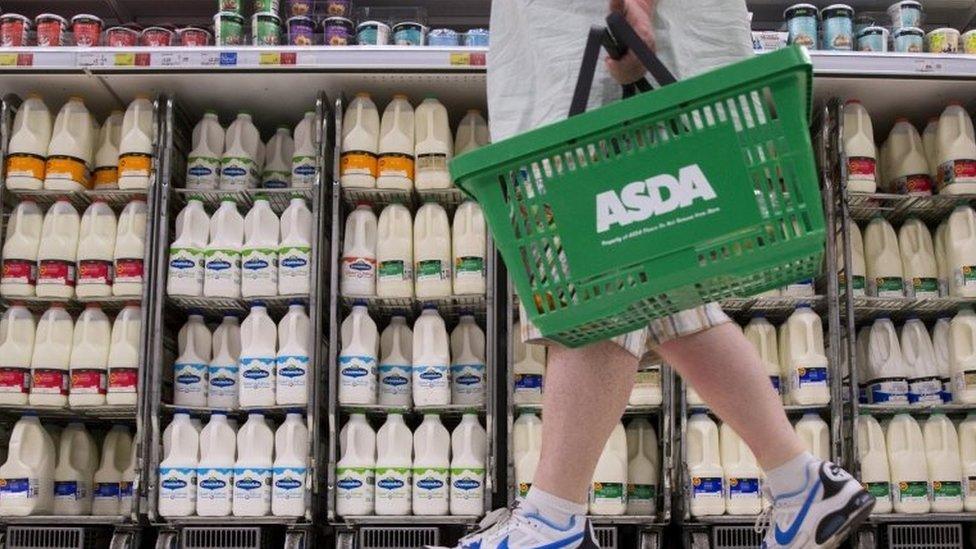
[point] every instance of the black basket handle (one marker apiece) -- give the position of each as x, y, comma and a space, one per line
618, 37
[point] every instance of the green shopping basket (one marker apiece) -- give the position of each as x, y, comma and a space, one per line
700, 190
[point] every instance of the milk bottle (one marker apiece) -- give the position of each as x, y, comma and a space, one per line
136, 145
239, 167
116, 450
303, 166
884, 267
290, 473
924, 380
918, 260
906, 459
762, 335
277, 166
215, 472
222, 263
253, 468
222, 373
395, 167
642, 468
28, 473
873, 455
201, 336
930, 142
431, 463
96, 131
27, 151
468, 450
360, 143
472, 133
468, 363
17, 331
909, 169
259, 348
941, 343
355, 472
960, 243
259, 256
742, 474
859, 148
705, 466
394, 466
608, 494
962, 356
96, 250
887, 371
814, 433
434, 146
58, 252
69, 153
106, 172
945, 468
359, 253
295, 249
203, 163
957, 151
130, 245
294, 357
395, 366
527, 426
942, 257
357, 360
89, 358
529, 369
49, 361
394, 252
469, 240
186, 253
191, 368
432, 252
431, 360
123, 357
178, 470
76, 463
803, 357
18, 276
647, 385
527, 458
967, 455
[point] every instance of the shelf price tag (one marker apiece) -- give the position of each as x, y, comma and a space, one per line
929, 65
468, 59
8, 59
125, 60
92, 60
269, 58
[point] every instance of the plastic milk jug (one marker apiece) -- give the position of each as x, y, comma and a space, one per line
395, 365
136, 145
907, 461
259, 256
290, 474
395, 167
228, 333
27, 151
762, 335
89, 358
394, 252
962, 356
186, 253
259, 348
858, 267
527, 457
96, 250
28, 473
203, 164
919, 268
945, 467
468, 456
909, 169
178, 470
942, 257
643, 471
58, 251
434, 145
469, 241
394, 467
215, 472
941, 342
52, 353
957, 152
814, 433
608, 495
930, 142
294, 357
967, 455
295, 249
303, 167
960, 243
106, 173
647, 385
432, 252
77, 460
355, 472
239, 167
705, 466
96, 131
472, 133
222, 263
873, 455
883, 258
887, 372
924, 378
191, 368
123, 357
884, 164
357, 360
860, 148
359, 253
529, 368
116, 450
130, 248
223, 373
18, 276
17, 331
253, 468
431, 360
202, 338
360, 143
277, 165
468, 363
431, 466
525, 427
742, 474
803, 358
69, 153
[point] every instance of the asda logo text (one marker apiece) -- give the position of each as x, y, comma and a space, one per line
658, 195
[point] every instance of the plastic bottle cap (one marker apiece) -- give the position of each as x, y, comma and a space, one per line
260, 304
853, 101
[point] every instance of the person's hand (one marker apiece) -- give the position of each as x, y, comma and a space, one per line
639, 14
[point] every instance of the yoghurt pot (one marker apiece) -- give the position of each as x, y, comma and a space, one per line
944, 40
838, 27
14, 29
297, 8
301, 31
230, 6
266, 29
862, 22
156, 37
873, 39
442, 37
338, 8
50, 29
968, 44
476, 37
409, 33
87, 30
274, 6
909, 40
121, 37
907, 13
192, 37
801, 24
338, 31
228, 29
373, 33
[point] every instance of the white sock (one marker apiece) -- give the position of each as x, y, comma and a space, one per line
554, 509
791, 476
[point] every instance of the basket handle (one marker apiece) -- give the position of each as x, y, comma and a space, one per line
618, 37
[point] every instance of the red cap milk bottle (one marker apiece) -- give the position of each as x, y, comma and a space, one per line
805, 360
643, 468
77, 461
529, 368
395, 167
762, 335
28, 473
742, 474
290, 475
18, 277
239, 167
930, 142
960, 247
907, 171
357, 360
940, 342
431, 360
395, 366
432, 252
705, 466
178, 470
259, 255
945, 467
359, 253
468, 363
920, 271
860, 149
96, 250
303, 166
472, 133
116, 452
106, 172
887, 372
259, 348
58, 251
434, 145
956, 152
123, 357
468, 456
222, 374
294, 357
814, 434
908, 465
27, 151
295, 249
253, 468
222, 264
924, 379
203, 163
215, 471
136, 145
469, 246
69, 154
355, 471
873, 456
962, 356
394, 252
17, 331
431, 464
967, 455
277, 165
190, 369
89, 358
608, 487
883, 260
394, 467
186, 253
52, 353
130, 248
360, 143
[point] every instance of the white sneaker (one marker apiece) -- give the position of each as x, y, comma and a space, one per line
523, 528
819, 516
